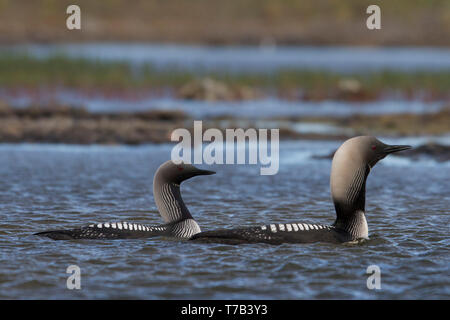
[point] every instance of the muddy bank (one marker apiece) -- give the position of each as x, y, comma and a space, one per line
66, 124
63, 124
76, 125
398, 124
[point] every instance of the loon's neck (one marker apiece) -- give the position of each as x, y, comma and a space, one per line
172, 209
349, 199
170, 203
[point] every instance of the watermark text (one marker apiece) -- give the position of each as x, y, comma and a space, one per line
237, 145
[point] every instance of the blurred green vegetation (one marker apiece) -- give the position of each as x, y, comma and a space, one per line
26, 71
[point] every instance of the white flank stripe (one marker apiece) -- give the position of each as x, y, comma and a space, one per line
294, 225
263, 227
289, 227
107, 225
281, 227
119, 225
300, 226
113, 225
305, 226
99, 225
273, 228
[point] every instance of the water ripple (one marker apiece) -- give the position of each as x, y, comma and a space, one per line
53, 187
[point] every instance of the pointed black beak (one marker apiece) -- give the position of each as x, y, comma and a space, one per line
396, 148
201, 172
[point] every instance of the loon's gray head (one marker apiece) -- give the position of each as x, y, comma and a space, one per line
177, 173
351, 165
166, 191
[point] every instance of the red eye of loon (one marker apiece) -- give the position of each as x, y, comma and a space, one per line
374, 147
180, 169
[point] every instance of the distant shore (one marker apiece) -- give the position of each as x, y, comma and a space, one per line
23, 72
256, 22
65, 124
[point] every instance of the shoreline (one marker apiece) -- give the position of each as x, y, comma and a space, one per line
74, 125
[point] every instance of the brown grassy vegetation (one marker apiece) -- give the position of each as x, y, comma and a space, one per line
404, 22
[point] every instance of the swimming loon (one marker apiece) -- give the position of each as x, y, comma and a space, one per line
351, 165
166, 191
350, 168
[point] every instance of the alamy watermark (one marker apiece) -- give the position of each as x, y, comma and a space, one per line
74, 280
234, 146
74, 20
374, 20
374, 280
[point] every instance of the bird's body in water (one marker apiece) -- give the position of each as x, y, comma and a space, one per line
351, 165
166, 191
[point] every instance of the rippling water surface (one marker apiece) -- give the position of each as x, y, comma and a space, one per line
50, 186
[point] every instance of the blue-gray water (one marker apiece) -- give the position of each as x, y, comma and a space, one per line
250, 58
253, 109
56, 186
